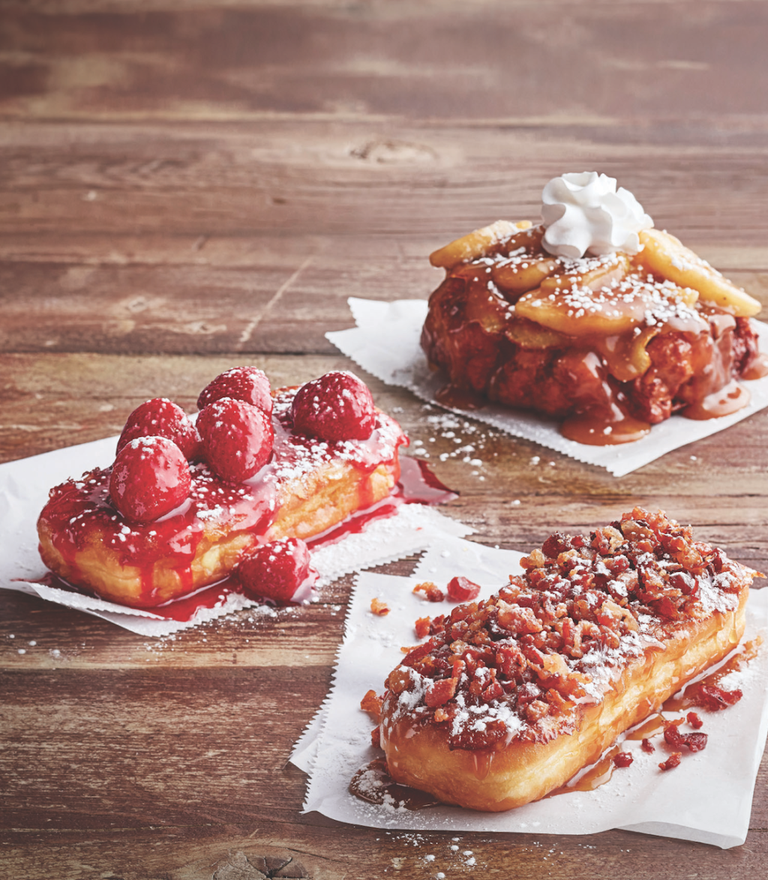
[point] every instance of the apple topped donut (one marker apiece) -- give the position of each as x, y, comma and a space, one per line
591, 316
188, 499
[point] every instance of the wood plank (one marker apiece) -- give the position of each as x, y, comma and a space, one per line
294, 179
283, 299
330, 852
491, 60
252, 251
190, 184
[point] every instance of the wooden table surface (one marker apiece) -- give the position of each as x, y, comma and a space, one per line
193, 184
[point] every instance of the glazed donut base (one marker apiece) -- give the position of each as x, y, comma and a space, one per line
307, 508
510, 775
306, 488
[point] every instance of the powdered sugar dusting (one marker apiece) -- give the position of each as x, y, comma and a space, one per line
518, 664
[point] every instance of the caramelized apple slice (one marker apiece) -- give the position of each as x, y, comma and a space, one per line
606, 274
521, 274
476, 244
668, 257
587, 304
626, 356
527, 334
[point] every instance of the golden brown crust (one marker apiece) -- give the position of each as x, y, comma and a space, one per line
551, 701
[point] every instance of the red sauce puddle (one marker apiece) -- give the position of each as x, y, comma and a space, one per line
417, 485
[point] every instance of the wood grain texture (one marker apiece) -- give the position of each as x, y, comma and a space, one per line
513, 61
186, 185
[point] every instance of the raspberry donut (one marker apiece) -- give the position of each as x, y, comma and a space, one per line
253, 478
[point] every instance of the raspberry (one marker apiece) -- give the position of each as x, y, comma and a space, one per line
276, 570
241, 383
461, 589
161, 417
150, 477
237, 438
337, 406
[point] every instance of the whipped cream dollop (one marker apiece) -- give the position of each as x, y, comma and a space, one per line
584, 213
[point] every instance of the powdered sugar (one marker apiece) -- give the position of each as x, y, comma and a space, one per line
687, 803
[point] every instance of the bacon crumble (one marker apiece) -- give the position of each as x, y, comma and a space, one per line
518, 665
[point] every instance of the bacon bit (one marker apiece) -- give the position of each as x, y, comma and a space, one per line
510, 661
418, 652
381, 609
694, 742
647, 746
622, 759
376, 737
493, 692
693, 719
422, 627
439, 692
714, 698
371, 704
437, 625
432, 593
398, 680
535, 710
557, 701
461, 589
518, 620
672, 761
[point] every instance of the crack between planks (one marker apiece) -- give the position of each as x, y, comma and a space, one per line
248, 330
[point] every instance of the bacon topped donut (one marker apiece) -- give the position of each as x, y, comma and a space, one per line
516, 693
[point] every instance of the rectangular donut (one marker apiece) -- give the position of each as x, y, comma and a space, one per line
521, 691
307, 486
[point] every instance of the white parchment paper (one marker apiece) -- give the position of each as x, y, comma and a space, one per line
386, 344
24, 487
707, 798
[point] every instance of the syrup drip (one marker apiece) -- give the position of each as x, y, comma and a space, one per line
757, 368
454, 397
593, 429
598, 774
691, 695
373, 784
729, 399
648, 728
416, 485
182, 610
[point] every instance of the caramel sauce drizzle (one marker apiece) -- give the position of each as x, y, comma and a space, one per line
597, 775
758, 368
516, 286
